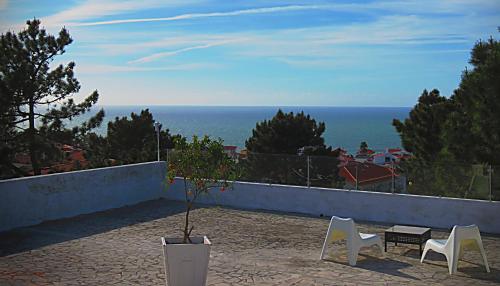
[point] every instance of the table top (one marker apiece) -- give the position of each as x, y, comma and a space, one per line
408, 229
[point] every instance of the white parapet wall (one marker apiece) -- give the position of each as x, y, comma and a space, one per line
386, 208
32, 200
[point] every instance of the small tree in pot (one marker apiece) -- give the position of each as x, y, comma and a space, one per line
204, 166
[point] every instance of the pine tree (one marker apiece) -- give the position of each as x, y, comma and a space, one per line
134, 140
32, 93
448, 136
286, 133
421, 133
275, 146
474, 126
363, 146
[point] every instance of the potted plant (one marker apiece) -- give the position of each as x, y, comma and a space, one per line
203, 165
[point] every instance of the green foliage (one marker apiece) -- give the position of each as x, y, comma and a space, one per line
323, 171
448, 136
275, 168
495, 183
96, 150
467, 125
443, 177
421, 133
363, 146
33, 93
274, 150
134, 140
474, 125
285, 133
204, 166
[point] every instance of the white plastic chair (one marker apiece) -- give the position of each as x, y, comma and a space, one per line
461, 237
345, 228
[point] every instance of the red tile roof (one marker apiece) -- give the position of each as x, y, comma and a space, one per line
367, 173
66, 147
75, 157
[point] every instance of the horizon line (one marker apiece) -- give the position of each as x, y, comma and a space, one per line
279, 106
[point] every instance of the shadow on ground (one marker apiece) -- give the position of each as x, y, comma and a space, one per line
51, 232
377, 264
478, 271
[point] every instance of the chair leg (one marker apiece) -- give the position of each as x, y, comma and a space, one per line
379, 244
324, 250
483, 254
325, 243
353, 255
452, 263
426, 248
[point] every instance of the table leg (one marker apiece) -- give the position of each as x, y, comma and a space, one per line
420, 247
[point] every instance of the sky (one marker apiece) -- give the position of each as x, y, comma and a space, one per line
263, 53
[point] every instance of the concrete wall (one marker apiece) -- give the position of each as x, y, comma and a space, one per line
360, 205
31, 200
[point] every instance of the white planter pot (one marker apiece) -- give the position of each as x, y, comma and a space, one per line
186, 264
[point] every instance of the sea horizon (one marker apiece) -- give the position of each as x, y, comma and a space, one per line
219, 105
346, 126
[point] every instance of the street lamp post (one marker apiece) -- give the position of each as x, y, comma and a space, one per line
157, 126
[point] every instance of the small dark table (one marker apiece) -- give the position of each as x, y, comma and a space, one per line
408, 235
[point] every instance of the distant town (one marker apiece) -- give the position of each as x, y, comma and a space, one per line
365, 170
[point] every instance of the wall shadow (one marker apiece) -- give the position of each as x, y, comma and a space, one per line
378, 264
56, 231
478, 271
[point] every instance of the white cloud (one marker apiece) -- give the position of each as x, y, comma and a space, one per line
207, 15
388, 33
322, 47
405, 7
92, 9
100, 68
168, 40
156, 56
444, 6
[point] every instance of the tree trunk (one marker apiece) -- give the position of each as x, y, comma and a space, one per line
32, 139
186, 224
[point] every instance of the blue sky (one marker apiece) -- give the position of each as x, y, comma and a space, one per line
321, 53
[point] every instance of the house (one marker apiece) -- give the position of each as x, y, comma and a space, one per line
73, 154
399, 154
391, 155
231, 151
383, 158
363, 154
372, 177
73, 158
344, 159
243, 154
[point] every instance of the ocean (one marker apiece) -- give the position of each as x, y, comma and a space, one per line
346, 127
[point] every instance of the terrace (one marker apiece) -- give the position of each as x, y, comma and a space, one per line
278, 245
122, 247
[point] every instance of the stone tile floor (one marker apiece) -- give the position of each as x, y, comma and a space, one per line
122, 247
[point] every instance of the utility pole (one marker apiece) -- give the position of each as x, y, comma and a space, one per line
356, 176
308, 178
157, 126
393, 181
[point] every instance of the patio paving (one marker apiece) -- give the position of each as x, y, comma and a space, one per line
122, 247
